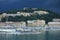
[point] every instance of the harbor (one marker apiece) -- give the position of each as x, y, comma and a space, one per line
26, 30
29, 19
32, 27
26, 23
47, 35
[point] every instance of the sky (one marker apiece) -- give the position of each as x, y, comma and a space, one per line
53, 5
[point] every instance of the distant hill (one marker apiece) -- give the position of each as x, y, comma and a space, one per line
46, 17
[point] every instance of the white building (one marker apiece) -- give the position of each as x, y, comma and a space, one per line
6, 25
36, 23
12, 24
17, 14
4, 14
56, 20
41, 12
54, 25
24, 13
20, 24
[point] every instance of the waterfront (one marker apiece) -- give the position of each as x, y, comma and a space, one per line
48, 35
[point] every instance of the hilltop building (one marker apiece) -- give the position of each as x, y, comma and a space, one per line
41, 12
24, 13
17, 14
5, 14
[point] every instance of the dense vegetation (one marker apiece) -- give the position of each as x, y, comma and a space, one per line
46, 17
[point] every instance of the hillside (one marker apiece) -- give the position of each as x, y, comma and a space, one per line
46, 17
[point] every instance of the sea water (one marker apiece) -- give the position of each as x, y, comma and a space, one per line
46, 35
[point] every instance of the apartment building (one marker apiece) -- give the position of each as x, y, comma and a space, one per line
36, 23
41, 12
12, 24
56, 20
20, 24
24, 13
54, 25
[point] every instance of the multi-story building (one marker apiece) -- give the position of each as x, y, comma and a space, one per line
41, 12
24, 13
19, 24
56, 20
12, 24
17, 14
36, 23
54, 25
5, 14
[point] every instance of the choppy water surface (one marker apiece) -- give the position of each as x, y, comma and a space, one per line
51, 35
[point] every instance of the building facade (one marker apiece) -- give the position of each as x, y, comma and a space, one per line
24, 13
41, 12
13, 24
56, 20
36, 23
54, 25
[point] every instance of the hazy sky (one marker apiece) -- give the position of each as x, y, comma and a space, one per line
53, 5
